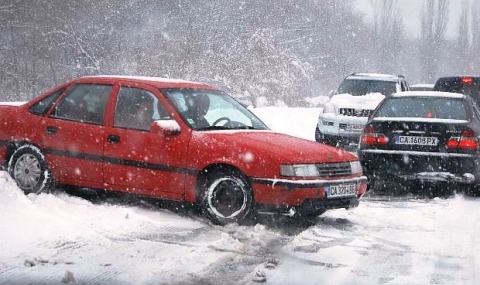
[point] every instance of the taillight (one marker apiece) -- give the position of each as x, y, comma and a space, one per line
467, 80
371, 137
467, 140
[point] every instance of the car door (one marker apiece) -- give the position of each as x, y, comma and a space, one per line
137, 160
72, 135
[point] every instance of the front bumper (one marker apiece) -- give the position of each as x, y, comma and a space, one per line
285, 194
341, 126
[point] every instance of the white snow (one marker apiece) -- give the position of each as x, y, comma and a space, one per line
418, 119
146, 78
368, 102
59, 239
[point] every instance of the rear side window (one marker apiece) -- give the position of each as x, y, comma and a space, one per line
42, 106
84, 103
408, 107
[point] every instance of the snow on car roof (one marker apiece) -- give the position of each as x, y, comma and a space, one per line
373, 76
418, 119
429, 94
19, 103
145, 78
425, 85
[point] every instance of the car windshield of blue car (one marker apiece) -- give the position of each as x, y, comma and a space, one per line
211, 110
359, 87
411, 107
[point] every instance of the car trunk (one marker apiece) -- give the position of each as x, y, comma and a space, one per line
418, 146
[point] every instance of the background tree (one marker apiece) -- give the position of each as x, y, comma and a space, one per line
433, 29
282, 50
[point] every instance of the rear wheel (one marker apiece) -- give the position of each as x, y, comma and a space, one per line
227, 196
29, 169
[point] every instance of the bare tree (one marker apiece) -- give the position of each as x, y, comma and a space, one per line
475, 45
463, 39
433, 28
389, 36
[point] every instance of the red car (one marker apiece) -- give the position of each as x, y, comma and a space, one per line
175, 140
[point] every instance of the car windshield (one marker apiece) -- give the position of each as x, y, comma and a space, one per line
211, 110
435, 107
358, 87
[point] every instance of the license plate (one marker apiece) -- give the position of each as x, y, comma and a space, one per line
416, 140
353, 127
343, 190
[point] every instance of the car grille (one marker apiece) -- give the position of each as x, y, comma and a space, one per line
355, 112
334, 169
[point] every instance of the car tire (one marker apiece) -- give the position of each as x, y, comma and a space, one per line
227, 197
28, 167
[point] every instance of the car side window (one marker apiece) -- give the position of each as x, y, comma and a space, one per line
42, 106
137, 108
84, 103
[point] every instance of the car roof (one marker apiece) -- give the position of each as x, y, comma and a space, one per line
157, 82
459, 77
425, 85
429, 94
374, 76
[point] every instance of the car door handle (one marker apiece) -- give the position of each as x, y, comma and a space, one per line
113, 139
51, 130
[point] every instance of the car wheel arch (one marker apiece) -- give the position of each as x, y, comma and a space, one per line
13, 146
203, 174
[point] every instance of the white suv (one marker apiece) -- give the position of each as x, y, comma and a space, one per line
345, 114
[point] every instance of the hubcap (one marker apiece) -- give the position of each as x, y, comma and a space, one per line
226, 197
27, 171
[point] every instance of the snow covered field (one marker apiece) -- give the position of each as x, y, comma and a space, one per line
62, 239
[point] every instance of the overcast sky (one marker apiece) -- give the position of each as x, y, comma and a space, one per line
410, 10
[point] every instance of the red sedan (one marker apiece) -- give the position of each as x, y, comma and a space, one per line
175, 140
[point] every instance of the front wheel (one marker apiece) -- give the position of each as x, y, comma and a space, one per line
29, 169
227, 197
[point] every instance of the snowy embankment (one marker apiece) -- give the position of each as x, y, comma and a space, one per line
57, 238
300, 122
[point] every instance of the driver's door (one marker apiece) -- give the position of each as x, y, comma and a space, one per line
139, 161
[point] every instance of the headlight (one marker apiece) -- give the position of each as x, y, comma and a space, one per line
356, 167
301, 170
328, 108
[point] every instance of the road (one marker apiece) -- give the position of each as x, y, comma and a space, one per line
62, 239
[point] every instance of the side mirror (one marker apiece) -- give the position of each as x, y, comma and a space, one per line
331, 93
165, 127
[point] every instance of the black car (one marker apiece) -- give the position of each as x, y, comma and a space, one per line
423, 138
468, 85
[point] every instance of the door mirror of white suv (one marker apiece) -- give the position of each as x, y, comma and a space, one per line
331, 93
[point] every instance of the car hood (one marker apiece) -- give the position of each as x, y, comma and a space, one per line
271, 145
366, 102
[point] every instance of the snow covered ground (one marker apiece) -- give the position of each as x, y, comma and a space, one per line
63, 239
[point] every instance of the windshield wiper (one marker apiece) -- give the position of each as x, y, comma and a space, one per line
209, 128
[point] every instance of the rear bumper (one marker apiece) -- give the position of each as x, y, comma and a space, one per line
454, 168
